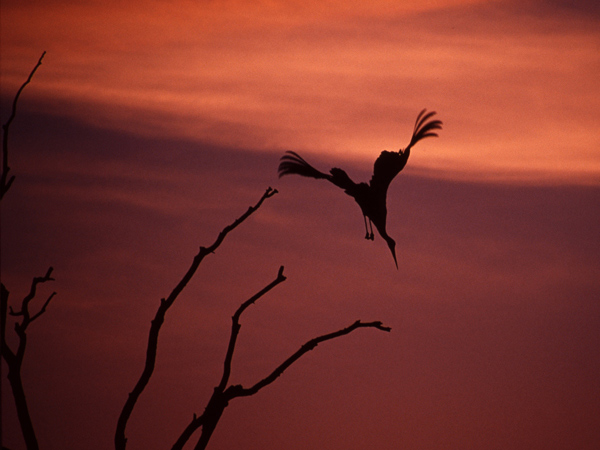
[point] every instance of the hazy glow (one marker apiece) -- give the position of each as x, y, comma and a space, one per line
516, 86
152, 125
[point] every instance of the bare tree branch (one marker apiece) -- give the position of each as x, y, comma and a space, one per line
5, 182
196, 423
32, 291
120, 439
235, 327
208, 420
239, 391
14, 359
220, 399
222, 394
3, 315
43, 308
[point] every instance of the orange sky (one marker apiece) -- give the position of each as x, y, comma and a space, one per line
149, 127
516, 84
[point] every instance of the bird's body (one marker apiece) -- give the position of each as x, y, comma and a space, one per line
371, 197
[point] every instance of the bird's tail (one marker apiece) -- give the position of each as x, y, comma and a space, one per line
293, 163
423, 128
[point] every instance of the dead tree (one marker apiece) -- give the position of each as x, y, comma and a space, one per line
223, 393
165, 303
14, 358
5, 181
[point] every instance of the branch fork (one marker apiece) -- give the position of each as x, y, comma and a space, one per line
222, 394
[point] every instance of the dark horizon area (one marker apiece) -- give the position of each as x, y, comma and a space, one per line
494, 309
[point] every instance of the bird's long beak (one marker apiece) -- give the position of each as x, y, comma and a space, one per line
393, 250
392, 245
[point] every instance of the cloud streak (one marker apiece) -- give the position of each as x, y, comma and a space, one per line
493, 310
148, 128
508, 81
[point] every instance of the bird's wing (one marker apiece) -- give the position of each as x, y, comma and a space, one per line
386, 167
389, 164
423, 128
341, 179
293, 163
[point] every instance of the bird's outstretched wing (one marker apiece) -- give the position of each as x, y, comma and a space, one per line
423, 129
389, 164
293, 163
386, 167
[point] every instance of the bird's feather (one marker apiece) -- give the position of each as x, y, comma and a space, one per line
370, 197
341, 179
424, 129
389, 164
293, 163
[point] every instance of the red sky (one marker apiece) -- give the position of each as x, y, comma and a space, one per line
148, 128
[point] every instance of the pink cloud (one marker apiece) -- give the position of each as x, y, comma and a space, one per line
144, 134
509, 81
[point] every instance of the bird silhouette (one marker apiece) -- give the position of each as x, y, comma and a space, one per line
370, 197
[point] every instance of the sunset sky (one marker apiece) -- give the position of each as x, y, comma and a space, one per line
152, 125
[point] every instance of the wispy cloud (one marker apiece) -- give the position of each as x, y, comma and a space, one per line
494, 309
515, 85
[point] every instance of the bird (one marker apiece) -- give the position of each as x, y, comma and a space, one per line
371, 197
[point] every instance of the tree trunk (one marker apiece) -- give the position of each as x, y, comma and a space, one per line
14, 376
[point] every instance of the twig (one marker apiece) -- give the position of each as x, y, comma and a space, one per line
222, 395
208, 420
14, 359
239, 391
235, 327
6, 182
156, 324
196, 423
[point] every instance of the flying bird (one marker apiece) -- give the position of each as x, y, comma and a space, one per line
370, 197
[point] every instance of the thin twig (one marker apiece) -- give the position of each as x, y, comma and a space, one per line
221, 396
195, 423
32, 291
14, 360
156, 324
43, 308
212, 413
235, 326
239, 391
21, 327
4, 183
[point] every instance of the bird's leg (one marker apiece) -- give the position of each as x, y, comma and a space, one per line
367, 236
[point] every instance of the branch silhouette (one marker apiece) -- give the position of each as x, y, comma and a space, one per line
239, 391
14, 359
6, 182
222, 394
120, 439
